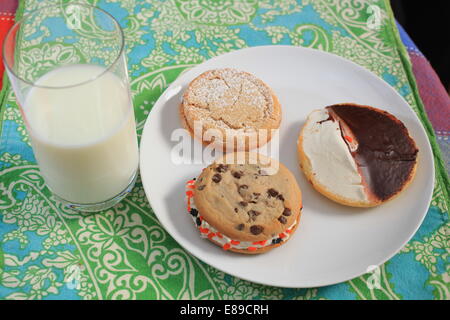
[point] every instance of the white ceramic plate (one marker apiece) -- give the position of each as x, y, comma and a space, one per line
333, 243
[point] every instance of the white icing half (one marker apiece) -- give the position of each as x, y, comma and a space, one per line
332, 164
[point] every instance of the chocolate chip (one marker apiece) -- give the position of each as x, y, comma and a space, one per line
194, 212
253, 214
200, 188
237, 174
280, 197
221, 168
276, 241
256, 229
287, 212
242, 188
240, 227
216, 178
282, 219
236, 210
243, 203
272, 192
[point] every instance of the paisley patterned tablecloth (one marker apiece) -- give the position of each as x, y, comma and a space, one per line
49, 252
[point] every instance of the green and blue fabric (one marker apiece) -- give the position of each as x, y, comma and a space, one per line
49, 252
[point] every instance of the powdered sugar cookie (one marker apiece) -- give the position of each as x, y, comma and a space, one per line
232, 108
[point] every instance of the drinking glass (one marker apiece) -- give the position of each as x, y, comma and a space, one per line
68, 70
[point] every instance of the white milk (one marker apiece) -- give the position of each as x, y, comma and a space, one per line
84, 137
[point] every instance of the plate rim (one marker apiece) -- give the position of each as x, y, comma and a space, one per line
367, 72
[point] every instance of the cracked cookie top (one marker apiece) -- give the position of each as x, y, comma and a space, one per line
233, 101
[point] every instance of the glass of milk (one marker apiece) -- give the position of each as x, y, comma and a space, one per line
68, 70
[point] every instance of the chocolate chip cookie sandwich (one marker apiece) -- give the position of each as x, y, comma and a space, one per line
357, 155
244, 207
230, 108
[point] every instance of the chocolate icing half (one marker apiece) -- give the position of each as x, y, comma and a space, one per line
386, 154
